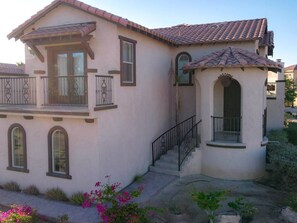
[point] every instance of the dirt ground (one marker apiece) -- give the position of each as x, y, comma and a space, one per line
175, 199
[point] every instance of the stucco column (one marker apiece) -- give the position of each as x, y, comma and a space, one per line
91, 91
39, 91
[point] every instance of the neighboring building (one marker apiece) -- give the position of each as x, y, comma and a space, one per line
7, 69
101, 89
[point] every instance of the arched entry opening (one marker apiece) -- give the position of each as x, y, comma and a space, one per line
226, 119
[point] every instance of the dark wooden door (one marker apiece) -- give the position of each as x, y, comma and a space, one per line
232, 106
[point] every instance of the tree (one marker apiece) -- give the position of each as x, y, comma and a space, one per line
290, 92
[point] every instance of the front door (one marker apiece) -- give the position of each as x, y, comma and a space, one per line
67, 80
232, 112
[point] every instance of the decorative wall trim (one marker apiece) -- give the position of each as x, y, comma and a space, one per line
114, 72
28, 117
226, 145
89, 120
92, 70
39, 72
57, 119
3, 116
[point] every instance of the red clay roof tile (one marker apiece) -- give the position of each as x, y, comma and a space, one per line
291, 68
232, 57
177, 35
81, 29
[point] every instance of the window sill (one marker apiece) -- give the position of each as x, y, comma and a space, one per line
227, 145
184, 85
264, 141
58, 175
22, 170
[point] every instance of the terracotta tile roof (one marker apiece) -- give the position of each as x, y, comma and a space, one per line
176, 35
233, 57
216, 32
81, 29
18, 32
268, 39
11, 69
291, 68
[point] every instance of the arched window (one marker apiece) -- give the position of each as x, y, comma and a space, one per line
17, 150
58, 152
180, 61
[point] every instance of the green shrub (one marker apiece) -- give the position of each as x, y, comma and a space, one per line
77, 198
293, 202
56, 194
62, 219
209, 202
283, 158
243, 208
292, 133
32, 190
12, 186
278, 135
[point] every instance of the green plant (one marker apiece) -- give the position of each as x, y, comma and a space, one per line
32, 190
77, 198
12, 186
56, 194
19, 214
245, 209
62, 219
174, 209
209, 202
292, 133
117, 207
138, 179
293, 202
279, 135
290, 92
283, 159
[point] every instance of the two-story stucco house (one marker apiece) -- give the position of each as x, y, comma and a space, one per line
100, 90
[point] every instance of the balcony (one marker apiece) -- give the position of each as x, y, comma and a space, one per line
41, 94
226, 129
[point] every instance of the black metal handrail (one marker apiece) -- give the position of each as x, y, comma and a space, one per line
188, 143
172, 137
18, 90
65, 90
103, 90
226, 129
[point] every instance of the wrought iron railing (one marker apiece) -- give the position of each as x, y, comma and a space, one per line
226, 129
103, 90
18, 91
271, 89
65, 90
190, 141
172, 137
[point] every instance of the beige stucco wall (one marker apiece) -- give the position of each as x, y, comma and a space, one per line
275, 106
119, 142
187, 93
234, 163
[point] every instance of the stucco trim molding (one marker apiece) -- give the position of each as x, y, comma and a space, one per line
226, 145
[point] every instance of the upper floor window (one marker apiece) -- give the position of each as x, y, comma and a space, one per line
17, 151
58, 153
128, 61
180, 61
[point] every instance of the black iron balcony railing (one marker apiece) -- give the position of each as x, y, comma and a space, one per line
103, 90
17, 91
65, 90
226, 129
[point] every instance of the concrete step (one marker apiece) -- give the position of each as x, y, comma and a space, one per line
164, 171
166, 165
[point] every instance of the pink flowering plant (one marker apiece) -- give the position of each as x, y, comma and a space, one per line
117, 207
19, 214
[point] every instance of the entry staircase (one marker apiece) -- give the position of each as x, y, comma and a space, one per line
172, 150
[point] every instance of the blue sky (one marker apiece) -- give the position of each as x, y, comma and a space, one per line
281, 15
